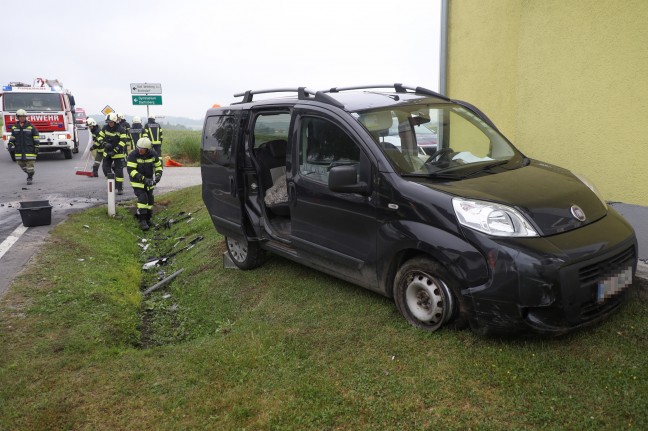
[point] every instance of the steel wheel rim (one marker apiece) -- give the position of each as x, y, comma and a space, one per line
428, 299
237, 250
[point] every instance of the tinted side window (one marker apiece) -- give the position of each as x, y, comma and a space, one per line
324, 145
219, 137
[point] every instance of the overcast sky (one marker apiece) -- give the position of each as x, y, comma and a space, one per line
202, 52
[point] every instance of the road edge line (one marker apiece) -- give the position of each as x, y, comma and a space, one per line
11, 239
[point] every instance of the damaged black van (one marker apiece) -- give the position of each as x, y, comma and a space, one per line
418, 197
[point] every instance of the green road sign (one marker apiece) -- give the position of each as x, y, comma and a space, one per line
147, 100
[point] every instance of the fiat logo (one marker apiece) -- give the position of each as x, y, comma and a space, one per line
578, 213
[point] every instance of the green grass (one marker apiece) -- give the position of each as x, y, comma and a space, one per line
182, 146
282, 347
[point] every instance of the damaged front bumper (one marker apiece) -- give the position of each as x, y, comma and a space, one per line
554, 284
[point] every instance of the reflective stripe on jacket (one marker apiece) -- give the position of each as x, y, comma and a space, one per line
26, 140
153, 131
143, 166
114, 141
94, 132
136, 131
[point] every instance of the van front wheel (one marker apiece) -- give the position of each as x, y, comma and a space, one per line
245, 255
423, 294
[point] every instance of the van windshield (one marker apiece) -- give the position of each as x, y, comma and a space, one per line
429, 139
34, 102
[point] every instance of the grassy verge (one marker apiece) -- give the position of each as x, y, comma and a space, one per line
282, 347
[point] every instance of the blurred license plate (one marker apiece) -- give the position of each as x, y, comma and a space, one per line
614, 284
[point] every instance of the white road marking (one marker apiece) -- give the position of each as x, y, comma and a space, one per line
11, 239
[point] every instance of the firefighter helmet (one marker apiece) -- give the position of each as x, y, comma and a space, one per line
137, 120
151, 117
21, 113
144, 143
120, 116
91, 122
111, 117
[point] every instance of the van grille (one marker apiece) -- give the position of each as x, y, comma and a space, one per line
593, 273
590, 275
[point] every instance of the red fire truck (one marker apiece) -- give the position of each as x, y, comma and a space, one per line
50, 108
80, 118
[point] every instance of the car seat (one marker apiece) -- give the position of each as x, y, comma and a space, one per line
271, 159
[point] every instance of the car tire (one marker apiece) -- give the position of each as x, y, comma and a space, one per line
12, 155
244, 254
426, 294
67, 153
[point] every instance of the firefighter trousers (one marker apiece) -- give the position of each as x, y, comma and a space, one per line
27, 166
145, 201
117, 166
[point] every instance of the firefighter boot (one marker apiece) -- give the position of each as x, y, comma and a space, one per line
95, 171
142, 222
120, 189
148, 218
29, 178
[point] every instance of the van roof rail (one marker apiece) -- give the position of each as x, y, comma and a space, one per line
400, 88
303, 93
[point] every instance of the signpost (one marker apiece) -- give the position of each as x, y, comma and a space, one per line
141, 94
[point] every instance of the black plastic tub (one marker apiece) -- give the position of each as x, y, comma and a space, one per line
36, 213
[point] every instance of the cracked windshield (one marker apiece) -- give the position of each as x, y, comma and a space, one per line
434, 139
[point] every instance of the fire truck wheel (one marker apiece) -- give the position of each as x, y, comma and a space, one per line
67, 153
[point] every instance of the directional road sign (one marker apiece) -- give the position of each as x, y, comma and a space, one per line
147, 100
146, 88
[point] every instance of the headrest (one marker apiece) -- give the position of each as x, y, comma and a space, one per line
277, 148
375, 121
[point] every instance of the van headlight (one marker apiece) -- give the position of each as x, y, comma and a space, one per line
491, 218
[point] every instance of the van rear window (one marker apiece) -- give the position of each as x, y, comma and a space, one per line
219, 136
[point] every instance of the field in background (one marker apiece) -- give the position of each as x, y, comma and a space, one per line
182, 146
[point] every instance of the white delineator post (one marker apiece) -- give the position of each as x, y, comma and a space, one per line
111, 194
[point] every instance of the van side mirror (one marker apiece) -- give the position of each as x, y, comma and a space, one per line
344, 179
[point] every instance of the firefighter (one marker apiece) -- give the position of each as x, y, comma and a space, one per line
24, 142
136, 130
113, 139
144, 170
153, 131
122, 122
96, 145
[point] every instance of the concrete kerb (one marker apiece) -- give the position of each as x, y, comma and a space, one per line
642, 270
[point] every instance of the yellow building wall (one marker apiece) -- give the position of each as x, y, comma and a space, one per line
565, 81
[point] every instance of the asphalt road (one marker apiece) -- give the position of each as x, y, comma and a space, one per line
56, 181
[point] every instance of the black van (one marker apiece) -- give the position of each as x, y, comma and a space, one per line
418, 197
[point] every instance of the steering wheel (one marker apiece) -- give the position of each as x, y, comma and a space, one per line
439, 154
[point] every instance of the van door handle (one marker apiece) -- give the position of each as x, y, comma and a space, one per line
232, 189
292, 193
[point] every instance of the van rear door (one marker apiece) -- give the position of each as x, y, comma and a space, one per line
221, 154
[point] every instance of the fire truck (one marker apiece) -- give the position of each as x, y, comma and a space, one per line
50, 108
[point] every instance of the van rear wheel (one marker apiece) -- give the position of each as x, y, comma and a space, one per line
245, 255
423, 293
67, 153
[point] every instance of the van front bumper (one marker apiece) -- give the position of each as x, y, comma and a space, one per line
554, 284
